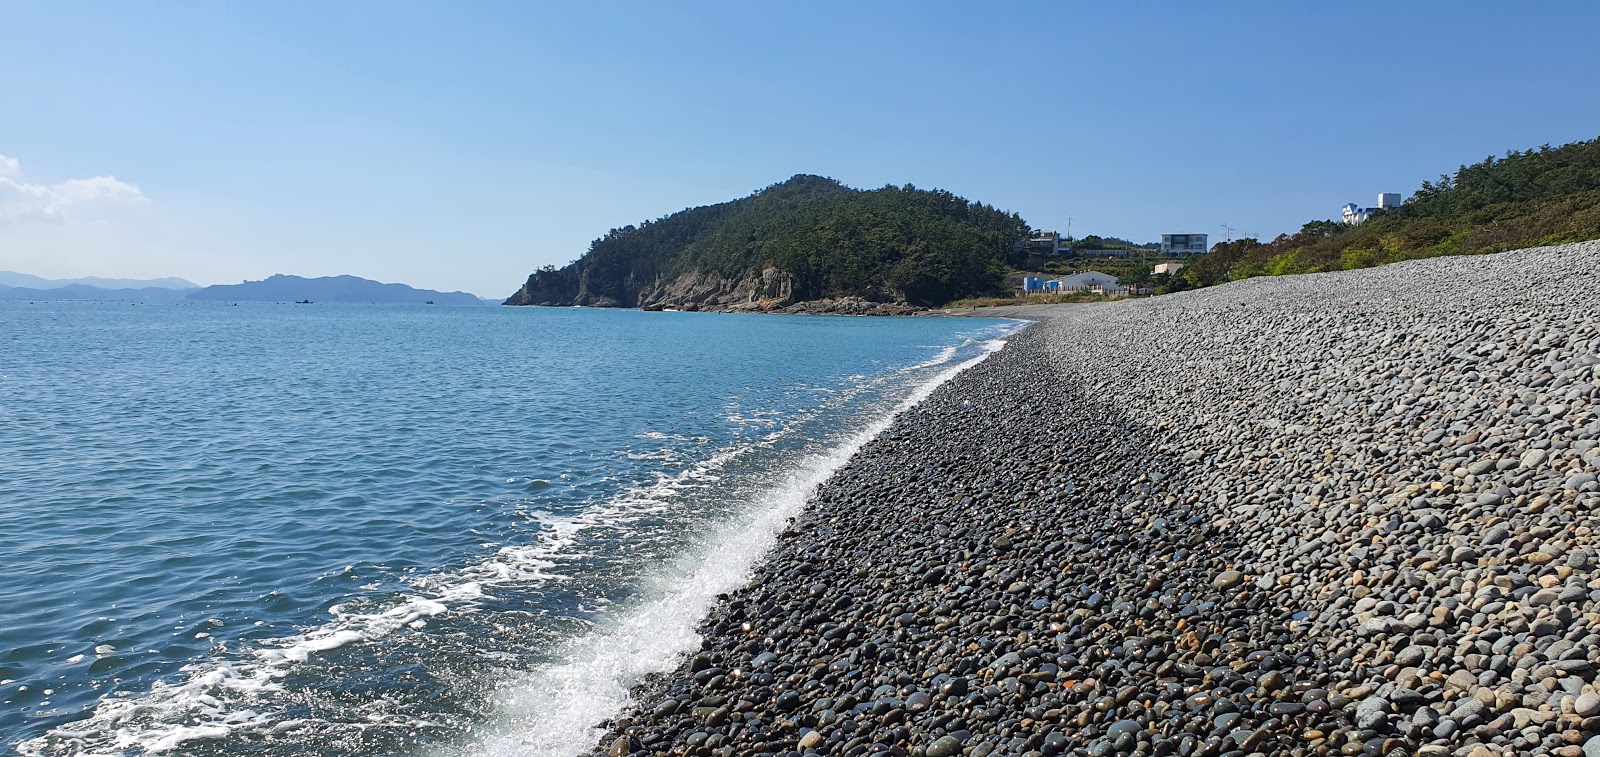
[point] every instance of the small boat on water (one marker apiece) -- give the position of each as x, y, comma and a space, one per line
429, 302
303, 302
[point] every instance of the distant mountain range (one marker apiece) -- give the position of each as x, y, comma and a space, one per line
13, 279
86, 292
279, 288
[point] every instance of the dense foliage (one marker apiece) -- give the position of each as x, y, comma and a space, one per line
1526, 199
1095, 242
925, 246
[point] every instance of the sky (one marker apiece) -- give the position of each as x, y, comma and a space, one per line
462, 145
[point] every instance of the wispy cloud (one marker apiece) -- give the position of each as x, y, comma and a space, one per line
23, 200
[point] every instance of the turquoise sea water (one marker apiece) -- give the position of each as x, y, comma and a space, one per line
279, 529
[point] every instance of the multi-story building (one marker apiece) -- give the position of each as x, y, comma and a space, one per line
1355, 215
1173, 245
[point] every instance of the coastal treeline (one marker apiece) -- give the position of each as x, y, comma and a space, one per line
828, 240
1097, 242
1537, 197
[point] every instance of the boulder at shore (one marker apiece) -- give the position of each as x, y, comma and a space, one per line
1343, 513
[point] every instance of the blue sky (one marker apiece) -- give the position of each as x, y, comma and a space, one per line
459, 146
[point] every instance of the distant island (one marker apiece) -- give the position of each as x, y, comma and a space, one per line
86, 292
806, 240
15, 280
278, 288
22, 286
329, 289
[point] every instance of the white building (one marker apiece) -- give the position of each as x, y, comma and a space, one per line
1171, 269
1093, 281
1183, 244
1355, 215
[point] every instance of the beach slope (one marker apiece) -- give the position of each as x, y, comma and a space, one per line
1343, 513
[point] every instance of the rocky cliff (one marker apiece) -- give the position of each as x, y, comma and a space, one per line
771, 291
570, 286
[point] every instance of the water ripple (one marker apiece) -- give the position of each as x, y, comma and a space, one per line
277, 530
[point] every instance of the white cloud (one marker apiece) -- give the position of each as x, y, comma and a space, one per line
23, 200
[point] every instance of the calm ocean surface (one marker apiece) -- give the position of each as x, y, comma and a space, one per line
279, 529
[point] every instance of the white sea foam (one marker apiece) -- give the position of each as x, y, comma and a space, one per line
944, 355
552, 710
208, 704
556, 709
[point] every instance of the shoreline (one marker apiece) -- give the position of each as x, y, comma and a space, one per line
1011, 312
1019, 312
1282, 516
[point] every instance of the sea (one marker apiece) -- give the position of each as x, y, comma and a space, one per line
283, 529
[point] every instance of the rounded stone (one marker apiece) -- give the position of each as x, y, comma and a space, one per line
1228, 579
945, 746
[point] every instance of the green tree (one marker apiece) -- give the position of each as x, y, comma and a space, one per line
1323, 228
1527, 198
925, 246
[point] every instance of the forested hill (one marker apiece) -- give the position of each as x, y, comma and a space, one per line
808, 238
1538, 197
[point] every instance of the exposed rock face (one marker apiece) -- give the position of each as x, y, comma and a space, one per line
712, 293
851, 306
1348, 513
772, 291
570, 286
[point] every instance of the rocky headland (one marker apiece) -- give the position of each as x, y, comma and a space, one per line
769, 291
1346, 513
805, 241
788, 306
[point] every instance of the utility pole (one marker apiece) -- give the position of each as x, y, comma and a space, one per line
1227, 232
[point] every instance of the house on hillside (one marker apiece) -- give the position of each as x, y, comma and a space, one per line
1044, 242
1354, 216
1171, 269
1173, 245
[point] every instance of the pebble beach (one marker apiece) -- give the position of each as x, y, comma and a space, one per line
1348, 513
